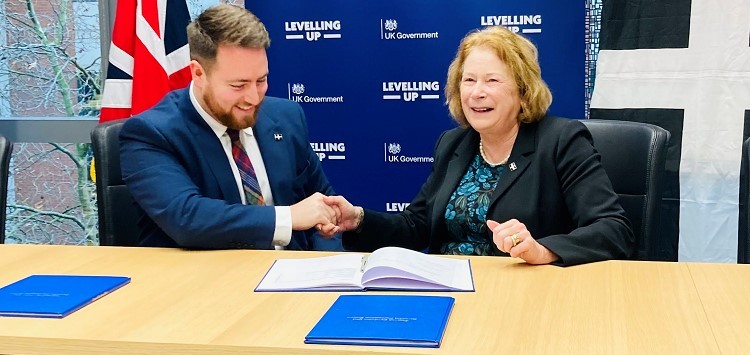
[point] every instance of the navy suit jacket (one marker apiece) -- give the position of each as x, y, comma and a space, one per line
180, 177
559, 190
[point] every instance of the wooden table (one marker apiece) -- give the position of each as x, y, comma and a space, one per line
202, 302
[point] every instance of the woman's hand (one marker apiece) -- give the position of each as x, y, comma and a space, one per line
349, 216
513, 238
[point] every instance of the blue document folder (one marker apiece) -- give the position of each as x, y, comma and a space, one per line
386, 320
55, 296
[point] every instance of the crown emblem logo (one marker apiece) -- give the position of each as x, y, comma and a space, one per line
391, 25
298, 89
394, 148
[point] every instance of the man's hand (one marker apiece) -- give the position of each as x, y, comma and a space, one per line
313, 212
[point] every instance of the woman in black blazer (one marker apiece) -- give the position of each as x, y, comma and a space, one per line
510, 179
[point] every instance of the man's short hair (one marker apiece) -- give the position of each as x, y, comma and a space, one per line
224, 24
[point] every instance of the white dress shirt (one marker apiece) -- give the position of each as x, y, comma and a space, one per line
283, 233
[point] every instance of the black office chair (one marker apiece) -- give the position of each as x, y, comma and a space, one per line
118, 216
633, 155
6, 148
743, 241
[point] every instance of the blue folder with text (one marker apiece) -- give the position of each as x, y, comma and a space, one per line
385, 320
55, 296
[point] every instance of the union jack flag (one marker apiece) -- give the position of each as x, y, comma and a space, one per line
149, 56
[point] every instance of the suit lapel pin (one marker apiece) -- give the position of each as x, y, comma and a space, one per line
513, 166
278, 136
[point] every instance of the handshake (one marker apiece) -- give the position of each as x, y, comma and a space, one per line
328, 214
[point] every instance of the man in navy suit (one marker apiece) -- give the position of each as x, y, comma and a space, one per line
187, 174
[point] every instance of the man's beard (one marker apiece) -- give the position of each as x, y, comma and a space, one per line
226, 117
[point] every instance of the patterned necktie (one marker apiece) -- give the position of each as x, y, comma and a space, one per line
250, 185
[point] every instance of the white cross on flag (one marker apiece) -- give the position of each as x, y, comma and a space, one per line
148, 57
684, 65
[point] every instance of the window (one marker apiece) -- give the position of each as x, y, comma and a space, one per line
49, 72
50, 82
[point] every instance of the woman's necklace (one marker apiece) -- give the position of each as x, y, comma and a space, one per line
484, 157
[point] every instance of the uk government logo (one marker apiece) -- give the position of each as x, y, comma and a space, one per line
396, 206
411, 90
393, 154
330, 151
296, 93
389, 31
313, 30
515, 23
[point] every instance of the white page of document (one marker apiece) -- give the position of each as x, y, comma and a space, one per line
454, 273
328, 271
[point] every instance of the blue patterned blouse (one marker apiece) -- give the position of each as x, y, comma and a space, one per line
466, 213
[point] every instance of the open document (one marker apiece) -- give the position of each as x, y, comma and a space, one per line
389, 268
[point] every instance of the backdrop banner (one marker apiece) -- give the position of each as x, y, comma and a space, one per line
683, 65
370, 76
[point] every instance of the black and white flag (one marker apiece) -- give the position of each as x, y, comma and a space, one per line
684, 65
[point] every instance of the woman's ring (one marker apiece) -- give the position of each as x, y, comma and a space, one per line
515, 239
